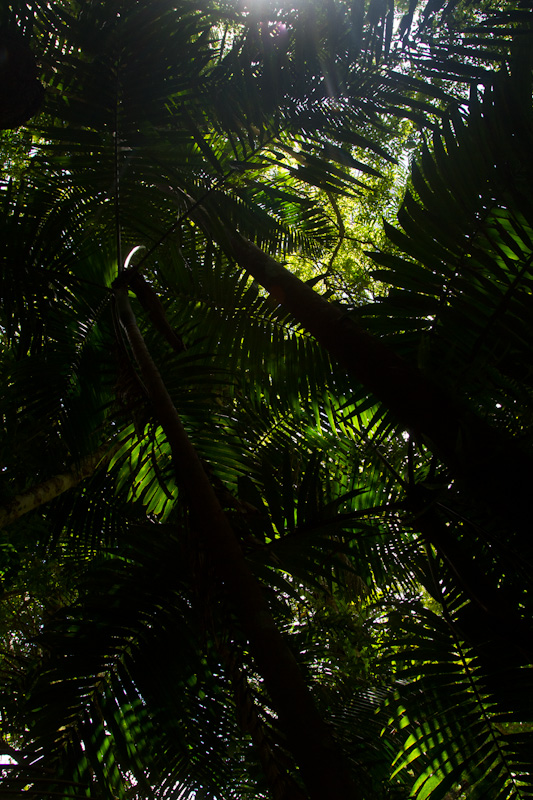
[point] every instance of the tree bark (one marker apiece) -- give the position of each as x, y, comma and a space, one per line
48, 490
478, 455
323, 771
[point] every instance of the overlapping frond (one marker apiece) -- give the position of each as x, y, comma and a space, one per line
164, 126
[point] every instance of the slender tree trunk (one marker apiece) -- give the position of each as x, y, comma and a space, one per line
497, 470
48, 490
309, 739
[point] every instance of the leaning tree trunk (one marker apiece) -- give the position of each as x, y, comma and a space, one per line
478, 455
324, 772
48, 490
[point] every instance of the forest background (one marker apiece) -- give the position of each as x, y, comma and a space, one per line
266, 398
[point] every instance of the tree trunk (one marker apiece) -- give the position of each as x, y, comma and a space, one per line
477, 454
323, 770
48, 490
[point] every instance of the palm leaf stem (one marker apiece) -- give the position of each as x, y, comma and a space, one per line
309, 739
474, 451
